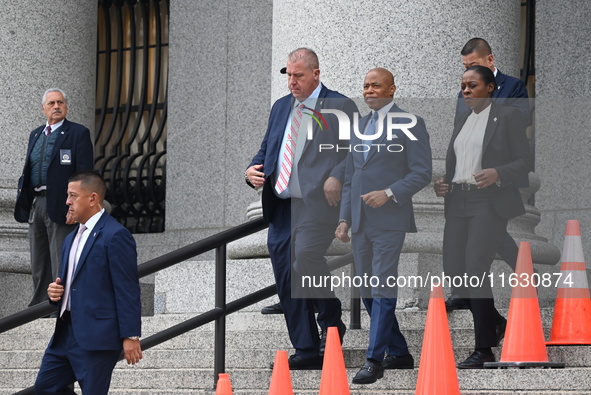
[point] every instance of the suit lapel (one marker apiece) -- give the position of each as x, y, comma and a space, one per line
96, 230
384, 134
380, 139
491, 126
500, 81
278, 132
33, 140
356, 140
319, 105
64, 263
62, 132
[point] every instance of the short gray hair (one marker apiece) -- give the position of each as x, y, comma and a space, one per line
53, 90
305, 54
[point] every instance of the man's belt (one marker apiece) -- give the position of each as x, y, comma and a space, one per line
464, 186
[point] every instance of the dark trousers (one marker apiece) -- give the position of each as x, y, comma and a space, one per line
66, 362
507, 251
45, 241
376, 253
297, 246
473, 231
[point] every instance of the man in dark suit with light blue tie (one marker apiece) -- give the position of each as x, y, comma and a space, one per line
382, 175
510, 91
302, 190
97, 297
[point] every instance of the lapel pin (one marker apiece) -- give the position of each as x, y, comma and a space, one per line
495, 119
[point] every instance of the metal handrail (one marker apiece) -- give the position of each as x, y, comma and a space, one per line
217, 314
147, 268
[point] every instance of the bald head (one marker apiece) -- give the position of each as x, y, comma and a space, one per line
378, 88
384, 73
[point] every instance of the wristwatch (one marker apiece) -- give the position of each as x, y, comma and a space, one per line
134, 338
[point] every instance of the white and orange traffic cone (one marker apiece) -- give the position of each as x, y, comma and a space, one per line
571, 323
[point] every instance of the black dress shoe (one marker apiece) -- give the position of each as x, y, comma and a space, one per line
300, 363
272, 309
399, 362
296, 362
369, 373
342, 328
500, 331
476, 361
454, 303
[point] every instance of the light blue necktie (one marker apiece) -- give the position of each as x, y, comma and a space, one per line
370, 130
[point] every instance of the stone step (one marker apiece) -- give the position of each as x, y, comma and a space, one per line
248, 380
270, 327
352, 391
253, 320
572, 356
184, 364
242, 340
245, 340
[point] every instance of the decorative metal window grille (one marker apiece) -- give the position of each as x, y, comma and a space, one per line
131, 101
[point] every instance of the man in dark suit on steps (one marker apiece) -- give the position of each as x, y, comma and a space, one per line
382, 175
300, 199
97, 297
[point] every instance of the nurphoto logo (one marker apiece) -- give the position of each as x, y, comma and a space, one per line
400, 121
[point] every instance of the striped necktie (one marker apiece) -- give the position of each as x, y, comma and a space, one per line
290, 148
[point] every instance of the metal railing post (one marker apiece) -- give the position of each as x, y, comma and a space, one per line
219, 364
355, 319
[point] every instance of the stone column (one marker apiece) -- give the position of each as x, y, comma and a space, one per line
563, 119
420, 43
44, 45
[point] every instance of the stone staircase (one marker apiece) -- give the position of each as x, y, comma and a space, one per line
184, 365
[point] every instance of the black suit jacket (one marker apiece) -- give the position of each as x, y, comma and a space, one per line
72, 138
505, 149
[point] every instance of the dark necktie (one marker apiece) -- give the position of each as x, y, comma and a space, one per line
370, 130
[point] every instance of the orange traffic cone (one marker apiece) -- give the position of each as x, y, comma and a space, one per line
334, 374
224, 387
524, 344
437, 370
281, 378
571, 323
